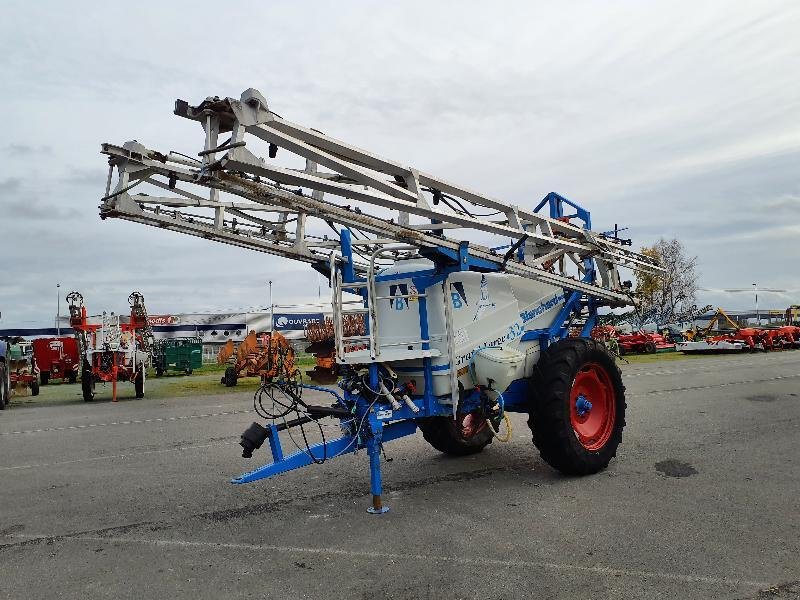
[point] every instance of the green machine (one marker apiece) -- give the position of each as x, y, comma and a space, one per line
178, 354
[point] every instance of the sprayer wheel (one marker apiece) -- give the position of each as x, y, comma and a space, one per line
3, 386
466, 434
230, 377
138, 383
87, 383
577, 408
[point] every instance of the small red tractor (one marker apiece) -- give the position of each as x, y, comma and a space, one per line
57, 358
257, 356
112, 350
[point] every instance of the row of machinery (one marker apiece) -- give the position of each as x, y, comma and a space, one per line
723, 334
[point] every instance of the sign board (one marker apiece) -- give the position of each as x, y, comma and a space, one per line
162, 320
295, 321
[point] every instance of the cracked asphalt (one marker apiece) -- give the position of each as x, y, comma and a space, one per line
132, 500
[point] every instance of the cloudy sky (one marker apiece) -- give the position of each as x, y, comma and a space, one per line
674, 119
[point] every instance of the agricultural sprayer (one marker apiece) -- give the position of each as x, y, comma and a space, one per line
467, 300
111, 350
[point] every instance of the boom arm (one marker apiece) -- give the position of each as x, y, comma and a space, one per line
231, 195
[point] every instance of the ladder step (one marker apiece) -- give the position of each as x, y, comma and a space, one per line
412, 343
401, 296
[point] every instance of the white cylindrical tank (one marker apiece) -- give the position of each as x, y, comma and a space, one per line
489, 310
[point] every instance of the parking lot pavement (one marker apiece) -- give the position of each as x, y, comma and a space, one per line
132, 500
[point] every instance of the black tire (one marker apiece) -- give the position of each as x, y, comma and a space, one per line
229, 378
650, 348
138, 383
34, 388
87, 383
44, 377
3, 386
444, 434
551, 419
159, 371
188, 371
72, 376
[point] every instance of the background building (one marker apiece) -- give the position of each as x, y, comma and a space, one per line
214, 329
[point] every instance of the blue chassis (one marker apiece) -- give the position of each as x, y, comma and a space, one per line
378, 423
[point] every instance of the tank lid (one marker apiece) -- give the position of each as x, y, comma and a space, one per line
500, 355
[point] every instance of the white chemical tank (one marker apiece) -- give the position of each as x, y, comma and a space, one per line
488, 310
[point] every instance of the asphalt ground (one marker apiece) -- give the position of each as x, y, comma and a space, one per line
132, 500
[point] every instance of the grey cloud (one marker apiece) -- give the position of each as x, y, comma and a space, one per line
25, 150
32, 208
96, 178
10, 184
785, 205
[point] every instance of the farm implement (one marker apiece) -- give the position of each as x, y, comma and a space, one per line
643, 343
112, 350
640, 342
322, 338
178, 354
256, 356
57, 358
467, 301
22, 373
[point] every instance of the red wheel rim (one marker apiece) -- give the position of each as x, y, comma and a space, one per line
592, 406
470, 424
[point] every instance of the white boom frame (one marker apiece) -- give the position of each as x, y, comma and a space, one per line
392, 196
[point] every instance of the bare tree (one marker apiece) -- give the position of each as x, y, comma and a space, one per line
670, 296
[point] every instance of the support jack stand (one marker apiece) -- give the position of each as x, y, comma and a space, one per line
377, 507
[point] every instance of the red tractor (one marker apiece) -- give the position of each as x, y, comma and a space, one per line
112, 350
57, 358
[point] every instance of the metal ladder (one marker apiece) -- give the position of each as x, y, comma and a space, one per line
377, 349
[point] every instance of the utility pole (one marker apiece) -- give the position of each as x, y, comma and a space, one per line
58, 308
271, 309
758, 316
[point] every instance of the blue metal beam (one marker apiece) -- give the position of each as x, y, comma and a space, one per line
301, 458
